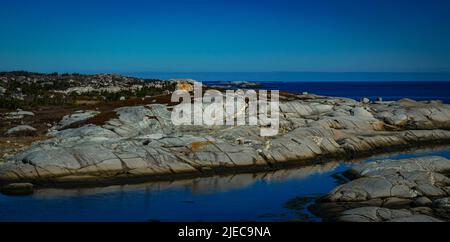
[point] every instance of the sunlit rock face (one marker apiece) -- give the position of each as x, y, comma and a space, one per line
142, 140
185, 84
185, 87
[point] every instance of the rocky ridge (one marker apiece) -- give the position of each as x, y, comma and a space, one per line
141, 141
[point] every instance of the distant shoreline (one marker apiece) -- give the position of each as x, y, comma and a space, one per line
271, 76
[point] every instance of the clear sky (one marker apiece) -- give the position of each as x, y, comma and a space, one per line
181, 35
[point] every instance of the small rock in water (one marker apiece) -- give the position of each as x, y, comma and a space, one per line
18, 189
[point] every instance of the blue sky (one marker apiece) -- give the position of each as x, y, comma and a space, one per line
176, 35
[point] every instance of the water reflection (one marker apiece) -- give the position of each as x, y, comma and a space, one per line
197, 186
266, 196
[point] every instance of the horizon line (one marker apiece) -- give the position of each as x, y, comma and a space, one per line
131, 72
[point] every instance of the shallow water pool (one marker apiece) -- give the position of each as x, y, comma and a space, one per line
241, 197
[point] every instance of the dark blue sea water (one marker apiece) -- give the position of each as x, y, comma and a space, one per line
244, 197
389, 86
389, 91
300, 76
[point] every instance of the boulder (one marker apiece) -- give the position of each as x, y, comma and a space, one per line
21, 130
76, 117
19, 114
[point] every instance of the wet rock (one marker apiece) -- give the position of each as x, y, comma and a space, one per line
17, 189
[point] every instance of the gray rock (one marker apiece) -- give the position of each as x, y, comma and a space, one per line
417, 218
397, 203
372, 214
74, 118
387, 167
20, 129
362, 189
442, 202
422, 201
403, 184
19, 114
361, 113
377, 214
405, 178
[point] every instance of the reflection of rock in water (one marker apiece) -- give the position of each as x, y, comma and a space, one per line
339, 178
298, 203
300, 173
297, 210
224, 183
300, 207
199, 185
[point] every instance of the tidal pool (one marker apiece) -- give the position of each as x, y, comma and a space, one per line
281, 195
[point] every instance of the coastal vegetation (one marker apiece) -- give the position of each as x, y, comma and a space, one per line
22, 89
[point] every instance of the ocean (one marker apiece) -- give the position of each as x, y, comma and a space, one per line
389, 86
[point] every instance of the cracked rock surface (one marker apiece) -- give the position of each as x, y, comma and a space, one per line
415, 189
141, 141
